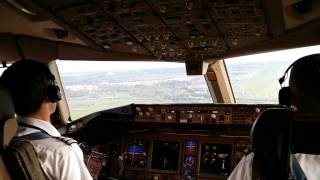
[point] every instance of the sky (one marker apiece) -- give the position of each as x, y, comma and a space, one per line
284, 55
276, 56
83, 66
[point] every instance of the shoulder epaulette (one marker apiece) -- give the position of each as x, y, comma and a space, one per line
247, 151
66, 140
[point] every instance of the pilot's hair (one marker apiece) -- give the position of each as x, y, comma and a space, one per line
304, 83
27, 81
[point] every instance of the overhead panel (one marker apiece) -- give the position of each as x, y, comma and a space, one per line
191, 23
241, 22
177, 30
147, 28
91, 20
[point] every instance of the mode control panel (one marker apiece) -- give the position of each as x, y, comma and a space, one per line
199, 113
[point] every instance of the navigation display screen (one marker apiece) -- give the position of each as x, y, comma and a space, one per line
136, 154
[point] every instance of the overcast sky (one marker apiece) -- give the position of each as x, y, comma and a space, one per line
76, 66
284, 55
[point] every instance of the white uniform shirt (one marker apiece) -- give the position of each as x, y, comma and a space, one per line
309, 163
58, 160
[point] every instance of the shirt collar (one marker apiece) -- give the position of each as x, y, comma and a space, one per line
44, 125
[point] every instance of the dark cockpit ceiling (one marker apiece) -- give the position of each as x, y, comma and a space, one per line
180, 30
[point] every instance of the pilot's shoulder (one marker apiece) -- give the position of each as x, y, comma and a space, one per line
54, 145
248, 155
66, 140
247, 151
308, 158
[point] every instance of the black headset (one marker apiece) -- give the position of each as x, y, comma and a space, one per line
285, 92
53, 90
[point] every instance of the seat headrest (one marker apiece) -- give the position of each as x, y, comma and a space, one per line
8, 123
7, 131
271, 143
6, 104
272, 124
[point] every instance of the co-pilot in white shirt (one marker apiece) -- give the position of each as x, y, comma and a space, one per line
309, 163
59, 161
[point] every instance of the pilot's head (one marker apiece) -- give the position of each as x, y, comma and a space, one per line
32, 86
304, 84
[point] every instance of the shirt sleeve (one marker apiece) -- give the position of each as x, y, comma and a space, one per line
310, 165
243, 170
72, 166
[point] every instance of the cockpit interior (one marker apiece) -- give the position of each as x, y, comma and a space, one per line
170, 127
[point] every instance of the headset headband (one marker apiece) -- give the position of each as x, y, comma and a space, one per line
284, 77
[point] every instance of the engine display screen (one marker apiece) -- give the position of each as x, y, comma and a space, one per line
215, 159
165, 155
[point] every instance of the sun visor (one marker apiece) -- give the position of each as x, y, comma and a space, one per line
8, 49
37, 48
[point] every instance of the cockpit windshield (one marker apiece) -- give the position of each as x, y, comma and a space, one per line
92, 86
254, 78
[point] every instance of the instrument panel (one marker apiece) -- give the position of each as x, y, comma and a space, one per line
163, 142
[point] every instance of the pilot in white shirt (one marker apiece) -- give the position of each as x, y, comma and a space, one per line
303, 94
57, 159
35, 95
309, 163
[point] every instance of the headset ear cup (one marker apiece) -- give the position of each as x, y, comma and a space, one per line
54, 94
285, 96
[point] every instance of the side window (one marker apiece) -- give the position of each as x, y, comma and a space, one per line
2, 69
254, 78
